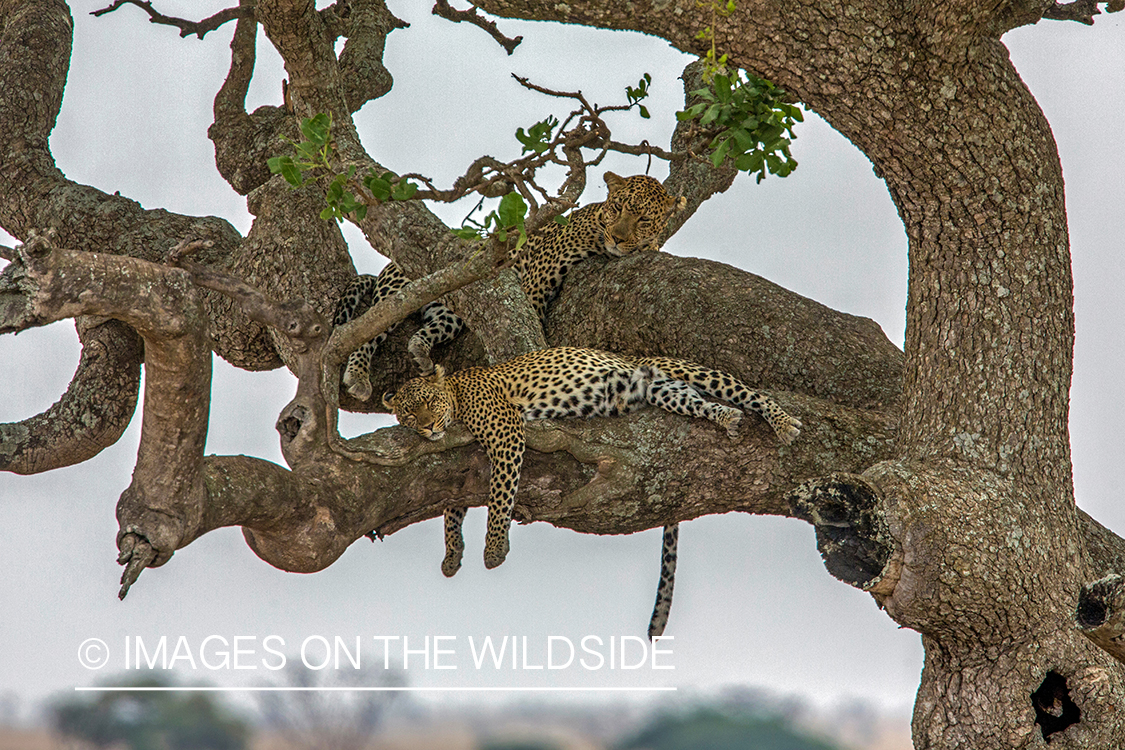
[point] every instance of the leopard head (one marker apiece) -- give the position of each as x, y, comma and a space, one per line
636, 213
423, 404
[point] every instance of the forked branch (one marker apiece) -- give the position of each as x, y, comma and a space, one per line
199, 28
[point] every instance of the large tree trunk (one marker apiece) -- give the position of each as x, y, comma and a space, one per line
979, 499
939, 481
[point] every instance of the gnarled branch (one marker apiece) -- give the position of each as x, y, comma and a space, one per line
199, 28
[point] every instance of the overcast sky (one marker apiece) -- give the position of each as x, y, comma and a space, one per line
753, 603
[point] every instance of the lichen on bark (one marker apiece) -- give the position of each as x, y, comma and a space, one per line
937, 479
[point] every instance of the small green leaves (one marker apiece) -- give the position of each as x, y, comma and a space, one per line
311, 154
388, 186
341, 201
755, 126
317, 128
287, 168
317, 152
635, 95
538, 138
507, 219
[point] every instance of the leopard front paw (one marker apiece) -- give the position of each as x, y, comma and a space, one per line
495, 554
452, 563
787, 429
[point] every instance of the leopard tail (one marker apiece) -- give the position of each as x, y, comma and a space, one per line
663, 605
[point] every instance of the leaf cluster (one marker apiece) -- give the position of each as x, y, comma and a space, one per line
316, 153
755, 124
638, 94
508, 218
537, 139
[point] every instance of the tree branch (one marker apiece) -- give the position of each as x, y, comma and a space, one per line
94, 411
443, 9
1082, 11
199, 28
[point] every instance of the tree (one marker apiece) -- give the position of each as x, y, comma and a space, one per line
938, 478
150, 720
312, 720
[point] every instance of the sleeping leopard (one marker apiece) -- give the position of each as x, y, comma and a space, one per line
632, 218
494, 402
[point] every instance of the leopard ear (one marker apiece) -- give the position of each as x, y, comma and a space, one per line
614, 182
389, 400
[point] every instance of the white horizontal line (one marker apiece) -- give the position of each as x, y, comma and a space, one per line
212, 689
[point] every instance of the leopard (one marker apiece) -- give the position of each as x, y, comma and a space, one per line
494, 402
633, 218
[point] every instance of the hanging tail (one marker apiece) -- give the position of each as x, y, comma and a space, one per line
667, 581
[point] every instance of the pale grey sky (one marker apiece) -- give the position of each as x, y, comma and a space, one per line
753, 603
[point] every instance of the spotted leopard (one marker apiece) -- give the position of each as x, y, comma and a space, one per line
494, 402
632, 218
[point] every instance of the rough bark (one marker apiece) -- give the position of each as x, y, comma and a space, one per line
938, 478
980, 498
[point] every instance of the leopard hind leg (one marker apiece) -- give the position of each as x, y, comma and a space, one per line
679, 397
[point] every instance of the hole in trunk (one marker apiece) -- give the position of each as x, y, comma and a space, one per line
1054, 710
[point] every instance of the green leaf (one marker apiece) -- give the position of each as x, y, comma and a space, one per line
288, 170
317, 128
404, 191
562, 221
722, 87
468, 233
379, 187
309, 152
644, 112
720, 153
749, 162
538, 136
511, 211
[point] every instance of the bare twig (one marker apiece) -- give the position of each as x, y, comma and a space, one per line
576, 95
199, 28
647, 149
442, 9
7, 253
